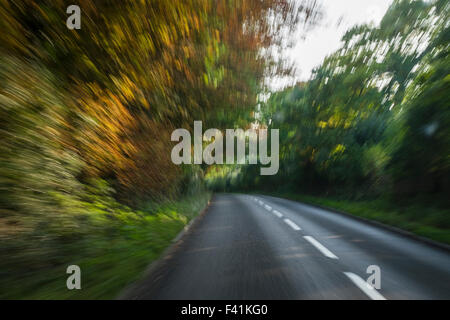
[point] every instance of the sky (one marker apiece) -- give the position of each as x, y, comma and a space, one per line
324, 39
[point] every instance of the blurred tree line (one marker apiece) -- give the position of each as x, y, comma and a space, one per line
101, 102
373, 119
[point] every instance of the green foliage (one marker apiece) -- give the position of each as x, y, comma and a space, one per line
426, 125
373, 119
110, 242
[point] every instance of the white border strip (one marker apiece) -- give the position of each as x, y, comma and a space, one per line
277, 213
292, 225
364, 286
320, 247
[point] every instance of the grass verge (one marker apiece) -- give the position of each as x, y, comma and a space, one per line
112, 245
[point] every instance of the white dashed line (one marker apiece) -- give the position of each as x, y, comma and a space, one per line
364, 286
260, 202
292, 225
268, 207
320, 247
277, 213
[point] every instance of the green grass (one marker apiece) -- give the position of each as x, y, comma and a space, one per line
424, 220
113, 247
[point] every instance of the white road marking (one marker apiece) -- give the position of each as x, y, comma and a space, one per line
320, 247
260, 202
292, 225
364, 286
277, 213
268, 207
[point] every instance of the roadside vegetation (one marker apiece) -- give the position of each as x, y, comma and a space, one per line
110, 242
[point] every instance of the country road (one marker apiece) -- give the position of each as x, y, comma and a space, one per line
260, 247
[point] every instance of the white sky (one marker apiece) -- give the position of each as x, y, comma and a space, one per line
324, 39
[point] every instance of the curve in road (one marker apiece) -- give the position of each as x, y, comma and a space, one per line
260, 247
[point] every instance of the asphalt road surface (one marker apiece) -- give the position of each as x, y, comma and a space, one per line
260, 247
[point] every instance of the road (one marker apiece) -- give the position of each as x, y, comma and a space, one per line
260, 247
